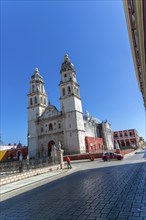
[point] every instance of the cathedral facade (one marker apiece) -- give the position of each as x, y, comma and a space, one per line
48, 126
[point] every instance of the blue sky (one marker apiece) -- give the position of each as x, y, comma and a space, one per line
94, 34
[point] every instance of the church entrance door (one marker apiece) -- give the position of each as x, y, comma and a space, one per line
50, 144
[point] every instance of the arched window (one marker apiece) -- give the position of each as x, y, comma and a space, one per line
41, 99
63, 91
50, 127
77, 92
69, 90
32, 88
31, 101
35, 100
44, 101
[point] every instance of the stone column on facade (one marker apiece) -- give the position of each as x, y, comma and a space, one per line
124, 138
120, 143
104, 135
54, 154
129, 142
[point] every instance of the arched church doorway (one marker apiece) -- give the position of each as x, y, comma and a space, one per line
50, 144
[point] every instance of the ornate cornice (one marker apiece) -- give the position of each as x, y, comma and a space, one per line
136, 24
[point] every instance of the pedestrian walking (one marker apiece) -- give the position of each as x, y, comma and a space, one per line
68, 163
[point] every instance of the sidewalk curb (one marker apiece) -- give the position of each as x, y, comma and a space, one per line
22, 184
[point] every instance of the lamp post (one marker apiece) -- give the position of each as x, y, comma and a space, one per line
28, 137
94, 127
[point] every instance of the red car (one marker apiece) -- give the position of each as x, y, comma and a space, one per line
109, 155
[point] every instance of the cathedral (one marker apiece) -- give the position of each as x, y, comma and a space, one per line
47, 126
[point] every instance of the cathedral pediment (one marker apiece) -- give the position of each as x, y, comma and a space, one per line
50, 111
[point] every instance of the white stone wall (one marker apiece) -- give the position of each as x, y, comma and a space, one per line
72, 142
67, 104
89, 129
70, 121
32, 146
82, 146
108, 136
78, 105
80, 122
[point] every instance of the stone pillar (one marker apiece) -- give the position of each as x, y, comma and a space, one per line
60, 157
20, 163
27, 162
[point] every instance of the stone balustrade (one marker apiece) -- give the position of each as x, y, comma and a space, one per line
19, 176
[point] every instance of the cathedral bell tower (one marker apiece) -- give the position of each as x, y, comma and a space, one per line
37, 102
71, 107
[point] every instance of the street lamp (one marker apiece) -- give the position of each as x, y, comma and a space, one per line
28, 137
94, 127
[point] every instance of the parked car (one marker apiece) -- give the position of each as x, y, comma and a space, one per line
109, 156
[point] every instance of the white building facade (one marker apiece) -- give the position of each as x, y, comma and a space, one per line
48, 126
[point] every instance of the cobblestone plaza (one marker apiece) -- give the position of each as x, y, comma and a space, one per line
115, 191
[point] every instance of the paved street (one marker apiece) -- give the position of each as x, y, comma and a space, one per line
91, 190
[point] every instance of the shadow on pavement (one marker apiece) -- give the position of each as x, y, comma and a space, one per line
82, 190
